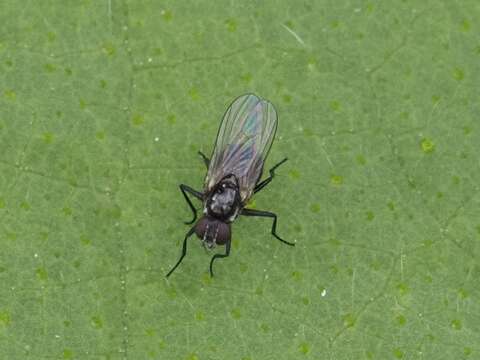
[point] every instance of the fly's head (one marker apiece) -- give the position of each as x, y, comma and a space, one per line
223, 202
212, 231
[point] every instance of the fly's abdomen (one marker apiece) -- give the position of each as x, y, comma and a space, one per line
212, 231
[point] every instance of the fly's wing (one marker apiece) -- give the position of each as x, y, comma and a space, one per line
243, 142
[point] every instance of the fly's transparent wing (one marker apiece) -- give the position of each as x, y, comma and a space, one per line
243, 142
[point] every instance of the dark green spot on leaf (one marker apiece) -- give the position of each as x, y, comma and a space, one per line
100, 135
96, 322
49, 68
456, 324
51, 36
138, 120
336, 180
10, 94
361, 160
109, 49
458, 74
304, 348
5, 318
398, 353
349, 320
247, 78
25, 205
167, 15
171, 119
193, 93
403, 288
297, 275
294, 174
235, 313
47, 137
67, 354
264, 327
231, 25
370, 215
465, 25
401, 320
243, 268
335, 105
462, 293
427, 146
41, 273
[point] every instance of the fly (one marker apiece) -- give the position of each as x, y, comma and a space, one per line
233, 174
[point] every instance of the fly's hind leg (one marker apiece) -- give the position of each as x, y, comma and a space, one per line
260, 213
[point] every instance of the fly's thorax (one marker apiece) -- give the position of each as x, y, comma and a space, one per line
212, 231
223, 202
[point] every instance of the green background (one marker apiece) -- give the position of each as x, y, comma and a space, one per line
103, 105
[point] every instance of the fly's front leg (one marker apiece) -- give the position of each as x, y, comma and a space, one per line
260, 213
187, 189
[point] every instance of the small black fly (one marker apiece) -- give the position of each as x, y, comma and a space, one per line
234, 171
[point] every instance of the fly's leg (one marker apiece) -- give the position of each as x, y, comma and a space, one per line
184, 251
265, 182
260, 213
187, 189
217, 256
206, 160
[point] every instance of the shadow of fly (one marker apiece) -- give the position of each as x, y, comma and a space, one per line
233, 174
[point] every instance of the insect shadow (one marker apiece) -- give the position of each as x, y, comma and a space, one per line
233, 175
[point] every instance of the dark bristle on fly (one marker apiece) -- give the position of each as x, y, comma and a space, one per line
233, 176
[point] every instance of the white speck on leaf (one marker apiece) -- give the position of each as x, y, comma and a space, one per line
324, 292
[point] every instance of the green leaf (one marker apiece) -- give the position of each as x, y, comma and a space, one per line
103, 107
